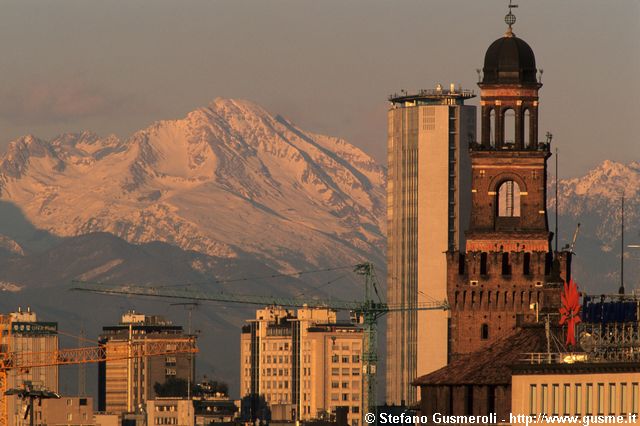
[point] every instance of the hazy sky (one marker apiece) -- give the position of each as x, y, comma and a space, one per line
329, 65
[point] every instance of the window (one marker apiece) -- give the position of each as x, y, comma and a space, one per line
484, 331
577, 409
509, 199
509, 126
355, 409
345, 358
600, 398
634, 398
526, 264
612, 398
492, 127
483, 263
355, 371
506, 266
555, 399
526, 141
355, 358
69, 416
589, 399
533, 400
345, 385
335, 358
335, 385
566, 400
543, 399
623, 398
345, 396
335, 371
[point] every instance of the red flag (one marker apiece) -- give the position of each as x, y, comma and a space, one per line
570, 310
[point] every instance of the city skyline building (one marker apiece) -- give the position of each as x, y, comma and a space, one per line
304, 364
427, 212
26, 334
125, 385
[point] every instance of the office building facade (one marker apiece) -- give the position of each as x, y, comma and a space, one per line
23, 333
125, 384
303, 364
427, 209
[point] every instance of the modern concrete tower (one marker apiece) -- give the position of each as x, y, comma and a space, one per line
427, 209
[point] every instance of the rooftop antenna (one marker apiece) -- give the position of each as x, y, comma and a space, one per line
621, 289
510, 19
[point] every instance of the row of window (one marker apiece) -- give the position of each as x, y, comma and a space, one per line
345, 385
345, 397
345, 371
275, 346
166, 421
279, 359
276, 372
277, 384
277, 398
345, 358
506, 267
584, 399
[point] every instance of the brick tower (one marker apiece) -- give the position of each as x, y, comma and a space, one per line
508, 274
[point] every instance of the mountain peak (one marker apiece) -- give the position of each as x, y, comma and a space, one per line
228, 179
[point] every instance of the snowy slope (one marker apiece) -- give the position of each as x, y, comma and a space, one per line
594, 201
227, 178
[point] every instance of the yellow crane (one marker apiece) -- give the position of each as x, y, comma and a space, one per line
23, 361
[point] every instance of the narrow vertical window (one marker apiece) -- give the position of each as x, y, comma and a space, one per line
566, 399
506, 267
623, 398
589, 400
600, 398
484, 331
509, 127
483, 263
634, 398
612, 398
526, 264
533, 400
526, 129
555, 399
492, 128
543, 399
577, 407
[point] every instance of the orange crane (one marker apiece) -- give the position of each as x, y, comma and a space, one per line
23, 361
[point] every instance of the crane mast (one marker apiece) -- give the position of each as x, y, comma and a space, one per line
365, 312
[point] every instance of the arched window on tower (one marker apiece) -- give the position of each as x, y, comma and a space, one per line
509, 127
492, 128
509, 199
526, 125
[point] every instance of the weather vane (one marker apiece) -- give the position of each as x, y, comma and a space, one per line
510, 18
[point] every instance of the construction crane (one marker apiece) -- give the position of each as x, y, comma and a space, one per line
23, 361
365, 312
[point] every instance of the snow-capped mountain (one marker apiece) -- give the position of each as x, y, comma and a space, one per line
227, 179
594, 201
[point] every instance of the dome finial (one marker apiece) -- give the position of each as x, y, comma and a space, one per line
510, 19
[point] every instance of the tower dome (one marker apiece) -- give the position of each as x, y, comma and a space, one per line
509, 60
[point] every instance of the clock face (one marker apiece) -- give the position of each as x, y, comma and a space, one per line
510, 19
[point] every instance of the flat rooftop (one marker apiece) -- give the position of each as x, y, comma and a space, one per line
437, 96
